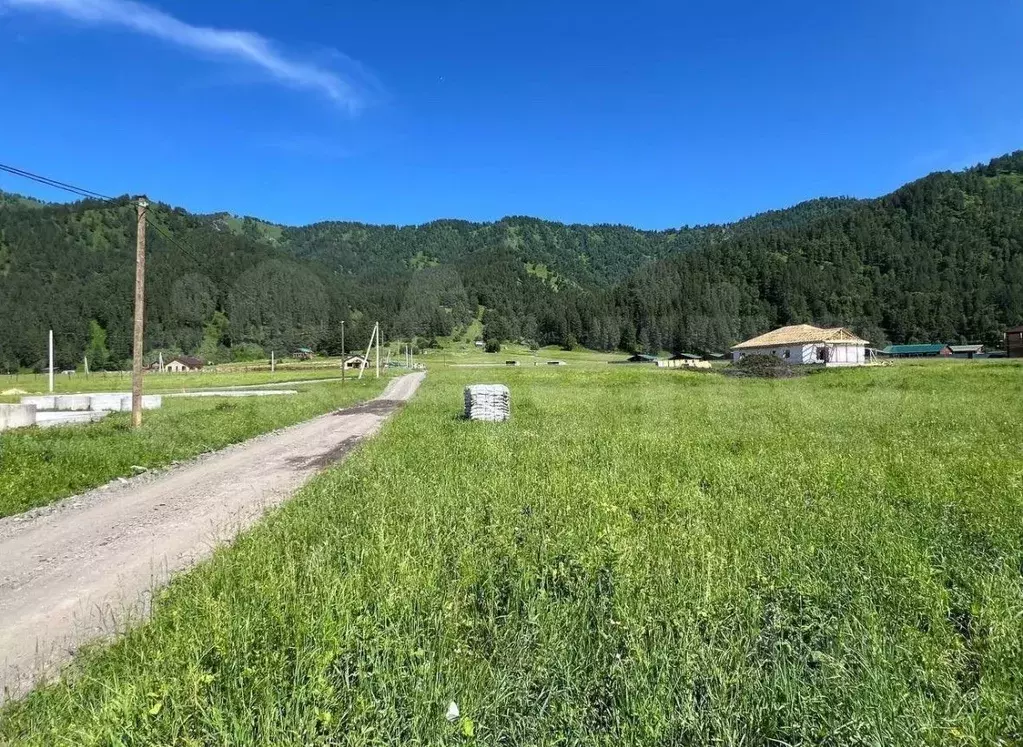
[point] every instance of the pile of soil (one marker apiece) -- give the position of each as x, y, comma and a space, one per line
764, 367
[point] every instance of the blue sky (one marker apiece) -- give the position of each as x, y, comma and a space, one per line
655, 114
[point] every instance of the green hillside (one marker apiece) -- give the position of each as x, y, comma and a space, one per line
938, 259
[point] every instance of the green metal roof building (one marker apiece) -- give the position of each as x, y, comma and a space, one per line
924, 350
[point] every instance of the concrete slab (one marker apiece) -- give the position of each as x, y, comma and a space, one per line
17, 416
109, 402
72, 402
121, 401
67, 417
102, 402
47, 402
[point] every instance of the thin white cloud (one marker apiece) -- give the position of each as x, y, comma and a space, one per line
242, 46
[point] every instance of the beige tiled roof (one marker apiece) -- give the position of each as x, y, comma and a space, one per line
801, 334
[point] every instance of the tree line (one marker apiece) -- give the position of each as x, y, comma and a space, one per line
938, 260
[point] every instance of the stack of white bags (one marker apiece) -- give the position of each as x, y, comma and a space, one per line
487, 402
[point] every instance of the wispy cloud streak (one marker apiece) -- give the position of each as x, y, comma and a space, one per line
242, 46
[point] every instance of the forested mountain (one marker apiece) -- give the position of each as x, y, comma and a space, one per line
938, 259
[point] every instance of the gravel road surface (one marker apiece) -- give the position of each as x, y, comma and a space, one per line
84, 568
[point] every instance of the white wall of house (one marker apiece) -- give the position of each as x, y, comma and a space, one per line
176, 367
838, 355
791, 354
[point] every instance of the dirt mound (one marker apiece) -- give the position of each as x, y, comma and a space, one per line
764, 367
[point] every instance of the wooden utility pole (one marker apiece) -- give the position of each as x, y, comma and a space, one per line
140, 308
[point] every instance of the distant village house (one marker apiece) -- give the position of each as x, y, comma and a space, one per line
355, 362
806, 344
184, 364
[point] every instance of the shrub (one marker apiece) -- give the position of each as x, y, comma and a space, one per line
492, 346
764, 367
247, 351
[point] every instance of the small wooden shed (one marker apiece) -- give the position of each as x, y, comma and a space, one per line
1014, 342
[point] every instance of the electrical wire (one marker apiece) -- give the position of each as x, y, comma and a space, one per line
90, 194
80, 191
176, 242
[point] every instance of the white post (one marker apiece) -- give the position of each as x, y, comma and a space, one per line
51, 361
273, 362
378, 349
86, 365
161, 361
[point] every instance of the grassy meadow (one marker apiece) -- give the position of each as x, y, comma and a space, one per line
39, 466
155, 383
639, 556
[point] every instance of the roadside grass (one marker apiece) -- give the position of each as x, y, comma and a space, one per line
639, 556
40, 466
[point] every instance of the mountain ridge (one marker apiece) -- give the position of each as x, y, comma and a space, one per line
242, 286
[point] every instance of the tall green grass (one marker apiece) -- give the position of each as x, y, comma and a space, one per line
637, 557
39, 466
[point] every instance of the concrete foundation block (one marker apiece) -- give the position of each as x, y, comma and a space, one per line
72, 403
109, 403
17, 416
45, 402
149, 402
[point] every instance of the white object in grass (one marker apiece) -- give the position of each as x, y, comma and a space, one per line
487, 402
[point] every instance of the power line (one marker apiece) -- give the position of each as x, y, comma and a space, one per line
163, 232
90, 194
80, 191
236, 290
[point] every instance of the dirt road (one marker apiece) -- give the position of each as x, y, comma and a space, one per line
85, 567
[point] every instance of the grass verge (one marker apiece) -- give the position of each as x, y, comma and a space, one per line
638, 557
39, 466
155, 383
